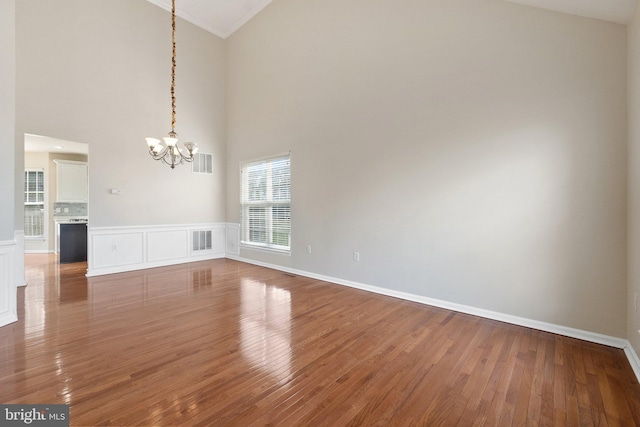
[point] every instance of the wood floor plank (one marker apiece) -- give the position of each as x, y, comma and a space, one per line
226, 343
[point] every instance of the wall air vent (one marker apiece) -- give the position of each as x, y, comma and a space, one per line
203, 163
201, 240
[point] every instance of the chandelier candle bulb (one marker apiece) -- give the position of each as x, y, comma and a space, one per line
172, 155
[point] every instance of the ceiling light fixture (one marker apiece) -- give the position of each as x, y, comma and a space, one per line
171, 154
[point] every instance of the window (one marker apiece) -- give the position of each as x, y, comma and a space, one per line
266, 203
34, 204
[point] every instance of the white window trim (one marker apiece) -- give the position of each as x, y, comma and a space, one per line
45, 212
263, 247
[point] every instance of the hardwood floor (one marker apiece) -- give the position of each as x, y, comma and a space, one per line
226, 343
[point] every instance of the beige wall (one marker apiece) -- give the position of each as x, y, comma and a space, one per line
633, 255
99, 72
7, 118
472, 151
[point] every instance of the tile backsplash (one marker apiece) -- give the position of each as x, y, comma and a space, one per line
73, 209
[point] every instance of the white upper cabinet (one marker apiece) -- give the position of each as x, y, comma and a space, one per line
72, 182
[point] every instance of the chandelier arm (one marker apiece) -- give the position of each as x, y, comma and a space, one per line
166, 153
186, 158
159, 155
166, 162
175, 160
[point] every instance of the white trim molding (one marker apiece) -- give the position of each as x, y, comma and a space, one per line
8, 288
118, 249
580, 334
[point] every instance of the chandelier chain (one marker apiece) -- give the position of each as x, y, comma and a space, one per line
170, 153
173, 66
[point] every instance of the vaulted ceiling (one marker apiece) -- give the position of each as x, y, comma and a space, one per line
223, 17
619, 11
220, 17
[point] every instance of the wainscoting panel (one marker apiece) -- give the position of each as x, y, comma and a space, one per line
119, 249
218, 239
233, 239
167, 245
8, 288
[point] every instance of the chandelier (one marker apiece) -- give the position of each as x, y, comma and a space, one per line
170, 153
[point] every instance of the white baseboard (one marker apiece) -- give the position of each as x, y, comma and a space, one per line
488, 314
146, 265
634, 361
120, 249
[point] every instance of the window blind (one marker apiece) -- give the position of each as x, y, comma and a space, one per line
266, 203
34, 203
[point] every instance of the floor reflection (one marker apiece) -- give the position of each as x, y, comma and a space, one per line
48, 279
201, 278
54, 300
265, 327
34, 312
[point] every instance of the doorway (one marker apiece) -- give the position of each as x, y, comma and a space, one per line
47, 204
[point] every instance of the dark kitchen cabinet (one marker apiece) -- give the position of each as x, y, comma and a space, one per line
73, 243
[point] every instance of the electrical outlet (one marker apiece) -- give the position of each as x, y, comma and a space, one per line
308, 249
356, 256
